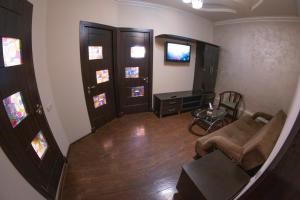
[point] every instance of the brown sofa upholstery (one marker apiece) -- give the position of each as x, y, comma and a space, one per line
247, 141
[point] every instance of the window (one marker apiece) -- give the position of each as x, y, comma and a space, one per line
102, 76
95, 52
137, 91
99, 100
15, 109
39, 144
11, 51
138, 52
132, 72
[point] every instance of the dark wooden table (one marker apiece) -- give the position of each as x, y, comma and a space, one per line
213, 177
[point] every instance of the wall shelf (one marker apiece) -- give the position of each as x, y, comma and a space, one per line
181, 38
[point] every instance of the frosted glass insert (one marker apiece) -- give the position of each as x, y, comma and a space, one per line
132, 72
39, 144
138, 52
102, 76
137, 91
11, 51
99, 100
95, 52
15, 109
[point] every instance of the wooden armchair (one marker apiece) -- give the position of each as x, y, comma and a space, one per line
230, 100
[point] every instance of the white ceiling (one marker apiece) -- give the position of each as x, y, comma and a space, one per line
267, 8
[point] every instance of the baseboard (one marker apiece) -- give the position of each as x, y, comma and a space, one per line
245, 112
79, 140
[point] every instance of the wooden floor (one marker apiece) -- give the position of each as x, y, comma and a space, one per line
134, 157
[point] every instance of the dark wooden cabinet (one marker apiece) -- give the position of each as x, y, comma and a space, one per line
177, 102
213, 177
206, 69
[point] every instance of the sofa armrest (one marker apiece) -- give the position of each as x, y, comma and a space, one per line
231, 149
263, 115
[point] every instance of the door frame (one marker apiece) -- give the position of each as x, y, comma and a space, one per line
150, 75
84, 59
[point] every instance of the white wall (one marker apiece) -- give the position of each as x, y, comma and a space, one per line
64, 57
260, 59
13, 185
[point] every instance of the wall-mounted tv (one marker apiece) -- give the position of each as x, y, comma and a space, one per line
177, 52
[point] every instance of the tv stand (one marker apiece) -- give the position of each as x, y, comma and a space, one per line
178, 102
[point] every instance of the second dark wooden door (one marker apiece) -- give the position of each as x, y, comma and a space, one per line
134, 71
206, 68
211, 61
97, 57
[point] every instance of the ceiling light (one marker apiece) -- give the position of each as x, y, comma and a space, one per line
187, 1
197, 4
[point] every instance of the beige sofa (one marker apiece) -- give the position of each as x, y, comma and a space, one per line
247, 141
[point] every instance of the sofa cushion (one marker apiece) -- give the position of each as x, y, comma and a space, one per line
238, 132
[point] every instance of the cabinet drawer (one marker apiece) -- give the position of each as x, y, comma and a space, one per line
173, 102
175, 108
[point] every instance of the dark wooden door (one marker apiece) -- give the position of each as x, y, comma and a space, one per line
25, 135
97, 45
134, 70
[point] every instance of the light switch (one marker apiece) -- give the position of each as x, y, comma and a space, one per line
49, 107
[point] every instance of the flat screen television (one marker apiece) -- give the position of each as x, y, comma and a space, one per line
177, 52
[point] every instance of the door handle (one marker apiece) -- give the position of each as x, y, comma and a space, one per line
146, 79
39, 109
89, 88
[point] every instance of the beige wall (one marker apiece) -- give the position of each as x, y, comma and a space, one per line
64, 57
260, 59
298, 5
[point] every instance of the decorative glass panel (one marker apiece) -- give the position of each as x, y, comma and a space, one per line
132, 72
11, 51
39, 144
99, 100
95, 52
15, 109
137, 91
102, 76
138, 52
